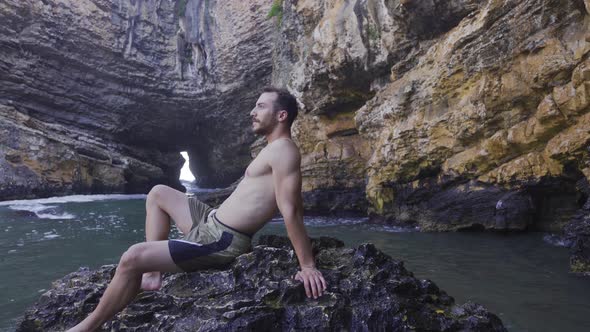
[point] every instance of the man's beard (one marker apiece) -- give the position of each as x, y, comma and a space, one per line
262, 130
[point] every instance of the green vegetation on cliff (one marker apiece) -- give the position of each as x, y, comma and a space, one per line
276, 10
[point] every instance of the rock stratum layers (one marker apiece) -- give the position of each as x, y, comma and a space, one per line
470, 114
367, 291
101, 96
447, 115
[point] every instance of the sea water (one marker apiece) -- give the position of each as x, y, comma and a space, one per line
520, 277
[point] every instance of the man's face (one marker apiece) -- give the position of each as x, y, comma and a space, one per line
264, 118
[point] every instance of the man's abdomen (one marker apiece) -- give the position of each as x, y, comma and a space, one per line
250, 206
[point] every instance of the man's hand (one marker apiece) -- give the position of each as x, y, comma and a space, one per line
312, 280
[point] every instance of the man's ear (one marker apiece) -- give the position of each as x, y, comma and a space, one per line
283, 115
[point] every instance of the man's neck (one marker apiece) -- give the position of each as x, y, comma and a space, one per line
277, 135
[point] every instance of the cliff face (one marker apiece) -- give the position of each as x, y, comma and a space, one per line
450, 116
101, 96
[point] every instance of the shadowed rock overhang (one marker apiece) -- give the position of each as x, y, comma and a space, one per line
100, 96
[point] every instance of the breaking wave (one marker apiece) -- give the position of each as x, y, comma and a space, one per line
45, 208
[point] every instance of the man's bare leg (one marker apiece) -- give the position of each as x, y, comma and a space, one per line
162, 203
141, 257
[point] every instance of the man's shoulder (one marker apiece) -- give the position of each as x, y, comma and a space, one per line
284, 146
284, 151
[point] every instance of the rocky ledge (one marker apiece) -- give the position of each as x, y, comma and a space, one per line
367, 290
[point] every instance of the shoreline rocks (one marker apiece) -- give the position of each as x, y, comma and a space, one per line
367, 290
577, 236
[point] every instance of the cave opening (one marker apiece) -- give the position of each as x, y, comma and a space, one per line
187, 179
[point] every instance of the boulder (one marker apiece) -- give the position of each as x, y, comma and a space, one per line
367, 291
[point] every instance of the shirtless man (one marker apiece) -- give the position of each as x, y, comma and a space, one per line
215, 237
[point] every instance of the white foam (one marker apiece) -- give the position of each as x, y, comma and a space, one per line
191, 187
51, 236
74, 199
40, 210
556, 240
32, 207
55, 216
324, 221
333, 221
97, 228
395, 229
39, 206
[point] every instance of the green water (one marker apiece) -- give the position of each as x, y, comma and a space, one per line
519, 277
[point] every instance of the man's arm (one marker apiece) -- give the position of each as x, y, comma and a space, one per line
286, 174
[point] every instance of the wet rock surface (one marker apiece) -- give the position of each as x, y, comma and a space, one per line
577, 235
367, 290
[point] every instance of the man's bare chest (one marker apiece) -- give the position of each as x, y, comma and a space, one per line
259, 166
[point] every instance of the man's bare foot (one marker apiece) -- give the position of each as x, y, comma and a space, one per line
151, 281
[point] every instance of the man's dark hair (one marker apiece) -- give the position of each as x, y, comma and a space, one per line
285, 101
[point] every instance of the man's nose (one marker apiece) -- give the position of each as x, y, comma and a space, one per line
253, 111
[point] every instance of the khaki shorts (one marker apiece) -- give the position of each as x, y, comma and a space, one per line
210, 243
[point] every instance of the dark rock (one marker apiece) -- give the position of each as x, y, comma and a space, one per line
367, 291
577, 235
436, 206
214, 198
439, 204
336, 201
330, 201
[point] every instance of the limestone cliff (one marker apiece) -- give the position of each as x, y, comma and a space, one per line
448, 115
102, 95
